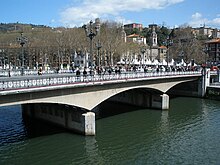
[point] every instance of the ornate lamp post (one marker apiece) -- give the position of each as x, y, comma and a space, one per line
99, 46
168, 43
22, 40
206, 51
89, 30
143, 50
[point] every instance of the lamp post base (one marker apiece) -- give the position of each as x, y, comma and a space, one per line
22, 71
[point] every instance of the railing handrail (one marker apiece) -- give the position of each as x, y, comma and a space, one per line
16, 83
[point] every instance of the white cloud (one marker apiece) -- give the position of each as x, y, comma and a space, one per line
197, 16
52, 21
198, 20
122, 20
216, 21
91, 9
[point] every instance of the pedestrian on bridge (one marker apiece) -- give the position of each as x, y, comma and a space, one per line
84, 74
40, 71
78, 74
109, 71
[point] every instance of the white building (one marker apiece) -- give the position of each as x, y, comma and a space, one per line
137, 39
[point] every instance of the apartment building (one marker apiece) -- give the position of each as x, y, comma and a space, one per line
213, 50
134, 26
207, 31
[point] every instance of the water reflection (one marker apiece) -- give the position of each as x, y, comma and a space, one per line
36, 128
186, 134
164, 123
92, 151
11, 125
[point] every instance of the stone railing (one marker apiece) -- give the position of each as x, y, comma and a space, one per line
23, 82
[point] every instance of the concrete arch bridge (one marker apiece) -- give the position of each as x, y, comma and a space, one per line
75, 103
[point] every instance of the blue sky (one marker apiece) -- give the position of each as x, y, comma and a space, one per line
71, 13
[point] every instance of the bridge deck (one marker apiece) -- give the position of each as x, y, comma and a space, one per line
21, 83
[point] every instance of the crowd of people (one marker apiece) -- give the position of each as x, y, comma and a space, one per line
118, 69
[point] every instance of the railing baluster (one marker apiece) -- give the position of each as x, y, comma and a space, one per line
62, 80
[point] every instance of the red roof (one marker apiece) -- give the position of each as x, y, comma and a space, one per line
213, 41
134, 36
163, 47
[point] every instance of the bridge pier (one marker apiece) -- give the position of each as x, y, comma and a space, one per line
89, 123
143, 99
205, 81
160, 101
68, 117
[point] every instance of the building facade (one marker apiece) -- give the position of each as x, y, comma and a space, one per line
134, 26
135, 38
162, 53
213, 50
207, 31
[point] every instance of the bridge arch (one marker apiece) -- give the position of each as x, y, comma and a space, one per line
86, 96
91, 99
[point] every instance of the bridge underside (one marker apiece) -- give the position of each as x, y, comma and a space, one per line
69, 117
83, 121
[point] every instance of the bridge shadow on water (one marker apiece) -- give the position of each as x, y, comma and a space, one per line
111, 108
35, 128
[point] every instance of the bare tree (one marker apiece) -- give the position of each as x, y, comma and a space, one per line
187, 46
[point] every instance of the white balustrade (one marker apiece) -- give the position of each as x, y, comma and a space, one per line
60, 80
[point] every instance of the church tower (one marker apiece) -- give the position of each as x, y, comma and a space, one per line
153, 35
153, 45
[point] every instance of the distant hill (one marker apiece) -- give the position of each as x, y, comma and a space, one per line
8, 27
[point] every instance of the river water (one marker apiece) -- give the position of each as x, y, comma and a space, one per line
189, 133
